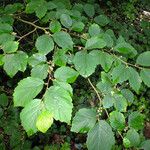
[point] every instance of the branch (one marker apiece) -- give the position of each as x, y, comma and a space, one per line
32, 24
27, 34
99, 98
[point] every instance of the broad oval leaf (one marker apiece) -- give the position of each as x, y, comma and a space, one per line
95, 42
134, 79
55, 26
15, 62
78, 26
66, 74
60, 58
58, 101
100, 137
84, 63
120, 103
126, 48
5, 37
10, 46
129, 96
44, 121
44, 44
37, 59
26, 90
136, 120
89, 10
29, 116
144, 59
102, 20
65, 86
103, 58
94, 30
120, 74
134, 138
84, 120
40, 71
66, 20
63, 40
145, 75
108, 101
117, 120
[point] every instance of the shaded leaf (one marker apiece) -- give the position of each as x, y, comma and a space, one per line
84, 120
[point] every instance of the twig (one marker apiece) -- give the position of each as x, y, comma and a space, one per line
97, 93
27, 34
99, 98
128, 64
32, 24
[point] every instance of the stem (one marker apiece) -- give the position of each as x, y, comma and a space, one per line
27, 34
128, 64
97, 93
99, 98
32, 24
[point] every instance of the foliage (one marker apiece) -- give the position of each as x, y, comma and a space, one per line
69, 49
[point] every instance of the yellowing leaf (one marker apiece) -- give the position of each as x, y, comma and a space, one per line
44, 121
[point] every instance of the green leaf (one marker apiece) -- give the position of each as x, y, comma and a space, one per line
125, 48
145, 145
78, 26
44, 121
108, 39
134, 79
1, 59
145, 76
58, 101
44, 44
134, 137
102, 58
136, 120
41, 10
94, 30
100, 137
95, 42
106, 88
117, 120
36, 59
126, 142
66, 20
129, 96
89, 10
102, 20
10, 46
60, 57
26, 90
40, 71
107, 101
39, 7
3, 100
120, 74
13, 8
143, 59
5, 37
120, 103
15, 62
84, 120
5, 28
63, 40
29, 116
55, 26
65, 86
84, 63
66, 74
